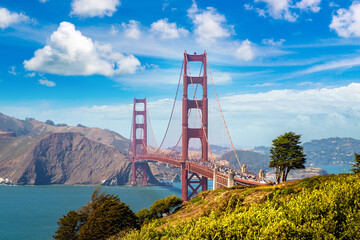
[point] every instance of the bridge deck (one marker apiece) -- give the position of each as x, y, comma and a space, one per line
193, 167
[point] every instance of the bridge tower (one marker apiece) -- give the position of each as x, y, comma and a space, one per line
139, 142
193, 181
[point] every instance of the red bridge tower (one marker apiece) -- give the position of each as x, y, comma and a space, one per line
139, 143
193, 180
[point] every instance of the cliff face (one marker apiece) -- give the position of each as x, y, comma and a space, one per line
45, 154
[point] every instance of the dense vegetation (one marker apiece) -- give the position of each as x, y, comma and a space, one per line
323, 207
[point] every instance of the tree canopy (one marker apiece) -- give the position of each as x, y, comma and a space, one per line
159, 208
356, 165
105, 215
286, 155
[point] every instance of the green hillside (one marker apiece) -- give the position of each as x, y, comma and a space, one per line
323, 207
254, 161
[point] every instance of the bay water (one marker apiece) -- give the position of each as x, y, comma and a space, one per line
32, 212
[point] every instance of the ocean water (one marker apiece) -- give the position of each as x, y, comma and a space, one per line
32, 212
336, 169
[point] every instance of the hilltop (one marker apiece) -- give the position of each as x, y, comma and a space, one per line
322, 207
34, 152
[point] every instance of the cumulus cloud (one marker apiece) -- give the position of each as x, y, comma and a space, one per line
346, 22
285, 9
280, 9
245, 51
94, 8
132, 29
68, 52
47, 83
209, 24
309, 5
8, 18
167, 30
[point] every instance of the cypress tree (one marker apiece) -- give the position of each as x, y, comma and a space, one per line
286, 155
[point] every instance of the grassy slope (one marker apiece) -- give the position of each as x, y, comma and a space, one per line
322, 207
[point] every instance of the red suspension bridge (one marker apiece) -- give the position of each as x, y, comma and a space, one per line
195, 171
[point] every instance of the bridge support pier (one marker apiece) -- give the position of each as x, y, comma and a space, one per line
231, 181
216, 169
139, 176
193, 182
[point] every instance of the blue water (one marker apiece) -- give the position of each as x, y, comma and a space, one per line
32, 212
336, 169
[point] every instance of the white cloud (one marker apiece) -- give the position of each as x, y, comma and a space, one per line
43, 1
167, 30
8, 18
332, 4
245, 51
312, 112
346, 22
309, 5
280, 9
271, 42
341, 63
94, 8
68, 52
132, 29
32, 74
47, 83
12, 70
209, 24
268, 84
285, 9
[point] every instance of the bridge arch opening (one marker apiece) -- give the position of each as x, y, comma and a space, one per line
140, 119
198, 88
195, 69
194, 119
139, 133
140, 106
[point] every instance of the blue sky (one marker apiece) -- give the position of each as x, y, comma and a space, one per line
278, 65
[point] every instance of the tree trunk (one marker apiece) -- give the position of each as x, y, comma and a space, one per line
277, 172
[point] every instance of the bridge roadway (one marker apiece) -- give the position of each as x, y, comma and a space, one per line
221, 178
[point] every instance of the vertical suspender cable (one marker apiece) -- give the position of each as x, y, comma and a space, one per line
218, 101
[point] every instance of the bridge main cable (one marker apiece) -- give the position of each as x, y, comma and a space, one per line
172, 111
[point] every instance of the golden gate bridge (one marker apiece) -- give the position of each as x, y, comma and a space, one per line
195, 172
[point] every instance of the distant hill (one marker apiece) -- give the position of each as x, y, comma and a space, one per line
334, 151
33, 152
253, 160
331, 151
